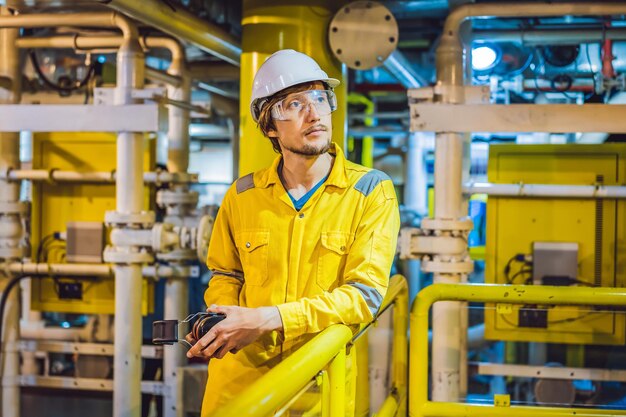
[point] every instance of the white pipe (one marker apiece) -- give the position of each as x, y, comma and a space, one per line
11, 230
176, 290
107, 19
447, 320
475, 336
176, 307
546, 190
601, 137
37, 331
400, 68
93, 270
54, 175
129, 200
131, 237
44, 269
489, 10
551, 36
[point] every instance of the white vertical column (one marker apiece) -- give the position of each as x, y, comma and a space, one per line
11, 230
128, 277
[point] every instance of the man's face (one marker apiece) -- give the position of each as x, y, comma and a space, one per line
308, 134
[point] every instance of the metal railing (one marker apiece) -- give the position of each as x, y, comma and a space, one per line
420, 406
322, 362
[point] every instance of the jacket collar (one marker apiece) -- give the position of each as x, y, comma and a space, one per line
337, 176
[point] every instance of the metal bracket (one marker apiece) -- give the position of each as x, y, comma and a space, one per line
145, 218
439, 266
444, 225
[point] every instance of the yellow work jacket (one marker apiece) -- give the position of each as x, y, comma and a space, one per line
325, 264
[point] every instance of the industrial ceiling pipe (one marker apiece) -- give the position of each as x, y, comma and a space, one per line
400, 68
449, 348
572, 36
182, 25
546, 190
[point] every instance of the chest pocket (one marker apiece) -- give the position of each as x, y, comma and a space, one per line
334, 247
253, 250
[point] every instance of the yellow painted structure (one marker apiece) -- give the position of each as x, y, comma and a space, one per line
514, 223
420, 406
267, 27
56, 204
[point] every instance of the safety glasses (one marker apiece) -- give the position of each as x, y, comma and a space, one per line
295, 105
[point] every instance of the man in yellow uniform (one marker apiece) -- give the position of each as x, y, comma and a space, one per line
296, 247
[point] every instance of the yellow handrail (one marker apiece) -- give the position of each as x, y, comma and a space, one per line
326, 351
511, 294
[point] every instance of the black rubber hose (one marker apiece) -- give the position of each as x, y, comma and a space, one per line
90, 72
3, 300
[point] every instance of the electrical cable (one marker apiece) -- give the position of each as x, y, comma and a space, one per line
55, 86
3, 300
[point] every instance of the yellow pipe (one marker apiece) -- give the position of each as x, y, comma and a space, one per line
513, 294
266, 395
325, 385
400, 345
266, 28
367, 143
480, 410
362, 396
392, 405
337, 382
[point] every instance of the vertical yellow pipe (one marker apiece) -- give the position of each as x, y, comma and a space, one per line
337, 378
362, 397
400, 348
267, 27
367, 142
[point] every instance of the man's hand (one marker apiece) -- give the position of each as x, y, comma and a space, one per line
241, 327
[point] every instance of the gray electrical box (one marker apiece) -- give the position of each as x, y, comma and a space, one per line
85, 242
555, 263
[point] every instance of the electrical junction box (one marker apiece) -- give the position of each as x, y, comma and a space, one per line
79, 207
585, 237
85, 242
555, 262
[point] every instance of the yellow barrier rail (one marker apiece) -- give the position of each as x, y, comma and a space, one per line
420, 406
322, 361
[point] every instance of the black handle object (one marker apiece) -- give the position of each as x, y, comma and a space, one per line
204, 323
165, 332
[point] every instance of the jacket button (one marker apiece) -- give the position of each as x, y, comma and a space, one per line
247, 244
301, 215
343, 248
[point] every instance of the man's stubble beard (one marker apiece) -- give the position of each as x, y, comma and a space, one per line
310, 150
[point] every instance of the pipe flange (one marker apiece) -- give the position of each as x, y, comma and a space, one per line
463, 225
170, 198
203, 236
178, 255
145, 218
441, 267
114, 256
18, 207
12, 253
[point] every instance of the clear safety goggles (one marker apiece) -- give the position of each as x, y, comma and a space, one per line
294, 106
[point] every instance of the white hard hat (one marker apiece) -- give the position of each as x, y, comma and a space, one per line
281, 70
